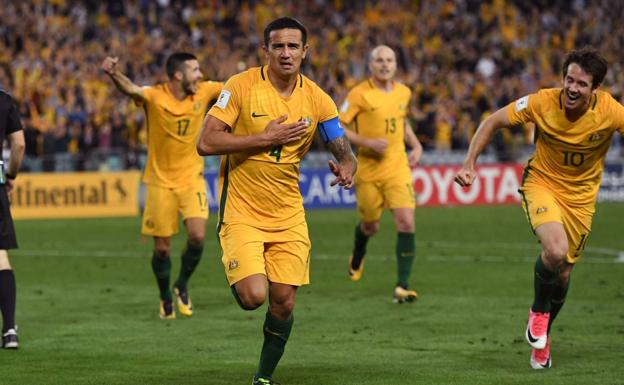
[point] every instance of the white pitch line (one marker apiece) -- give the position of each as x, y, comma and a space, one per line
315, 256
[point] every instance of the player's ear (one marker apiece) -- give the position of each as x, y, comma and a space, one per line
305, 50
595, 89
266, 51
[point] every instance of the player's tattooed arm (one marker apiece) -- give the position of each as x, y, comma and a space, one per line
347, 164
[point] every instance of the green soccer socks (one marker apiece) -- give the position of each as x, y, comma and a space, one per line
161, 268
189, 261
557, 301
359, 247
405, 250
276, 334
545, 282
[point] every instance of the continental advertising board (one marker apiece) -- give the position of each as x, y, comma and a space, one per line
76, 195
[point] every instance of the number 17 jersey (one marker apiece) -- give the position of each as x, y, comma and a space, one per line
172, 129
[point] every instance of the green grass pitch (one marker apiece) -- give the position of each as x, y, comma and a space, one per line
87, 308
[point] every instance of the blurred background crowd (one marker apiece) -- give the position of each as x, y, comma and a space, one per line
461, 58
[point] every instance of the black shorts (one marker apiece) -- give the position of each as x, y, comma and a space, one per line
7, 231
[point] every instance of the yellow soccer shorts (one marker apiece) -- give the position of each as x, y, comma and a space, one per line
282, 255
162, 205
541, 205
392, 193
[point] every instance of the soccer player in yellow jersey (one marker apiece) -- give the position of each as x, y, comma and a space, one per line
376, 113
174, 171
263, 123
574, 126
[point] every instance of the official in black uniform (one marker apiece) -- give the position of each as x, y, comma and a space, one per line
11, 129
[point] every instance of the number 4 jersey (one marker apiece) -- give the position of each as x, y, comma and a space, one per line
569, 156
172, 129
261, 188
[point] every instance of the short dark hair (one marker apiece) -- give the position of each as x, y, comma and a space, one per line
283, 23
175, 62
590, 61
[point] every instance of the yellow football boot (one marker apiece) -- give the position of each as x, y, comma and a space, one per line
355, 274
166, 310
404, 295
183, 301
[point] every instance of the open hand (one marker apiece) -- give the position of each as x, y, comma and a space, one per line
344, 174
278, 133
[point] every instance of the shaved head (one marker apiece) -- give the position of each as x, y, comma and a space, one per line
382, 63
380, 49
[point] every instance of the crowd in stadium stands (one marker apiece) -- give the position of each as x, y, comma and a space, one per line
462, 59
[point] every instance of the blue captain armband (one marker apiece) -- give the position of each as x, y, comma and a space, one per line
330, 130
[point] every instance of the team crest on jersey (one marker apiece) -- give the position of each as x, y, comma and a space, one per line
402, 106
541, 210
233, 264
306, 119
596, 137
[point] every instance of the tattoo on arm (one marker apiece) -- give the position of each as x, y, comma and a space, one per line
341, 149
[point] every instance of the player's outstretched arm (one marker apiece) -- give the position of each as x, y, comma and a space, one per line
123, 84
412, 140
346, 167
467, 175
216, 137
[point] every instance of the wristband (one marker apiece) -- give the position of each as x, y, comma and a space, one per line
10, 176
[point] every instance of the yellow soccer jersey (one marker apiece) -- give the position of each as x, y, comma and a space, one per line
373, 113
172, 129
569, 156
261, 188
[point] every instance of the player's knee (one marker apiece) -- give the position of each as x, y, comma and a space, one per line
196, 238
283, 309
251, 299
555, 253
405, 225
370, 229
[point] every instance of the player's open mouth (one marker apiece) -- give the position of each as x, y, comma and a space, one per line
572, 97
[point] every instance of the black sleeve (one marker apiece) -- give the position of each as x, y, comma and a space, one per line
13, 120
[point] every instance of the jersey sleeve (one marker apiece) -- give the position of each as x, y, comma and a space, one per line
212, 89
617, 115
327, 108
228, 104
14, 123
350, 108
524, 109
149, 93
